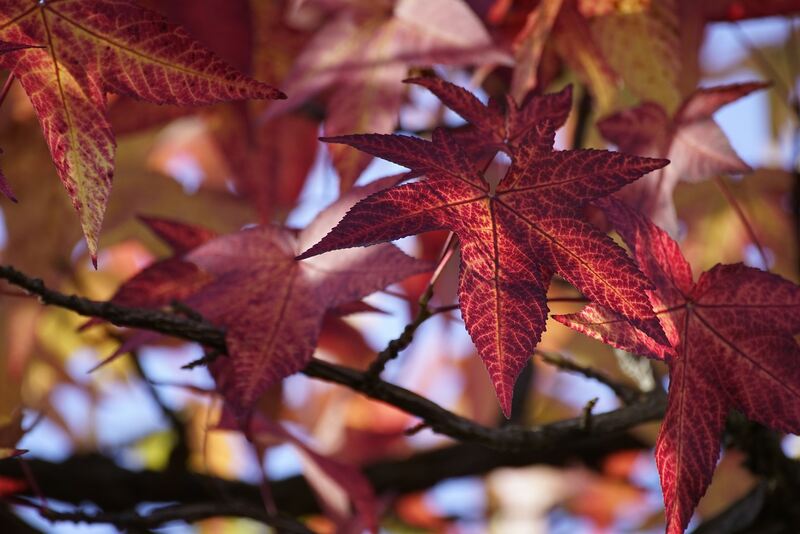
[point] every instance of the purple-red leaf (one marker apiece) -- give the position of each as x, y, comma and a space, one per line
731, 347
273, 306
513, 238
492, 127
91, 47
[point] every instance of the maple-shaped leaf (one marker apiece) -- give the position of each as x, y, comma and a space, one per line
731, 347
91, 47
690, 139
495, 127
513, 237
273, 306
362, 53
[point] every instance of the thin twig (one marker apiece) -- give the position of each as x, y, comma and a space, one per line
586, 414
626, 393
424, 312
207, 358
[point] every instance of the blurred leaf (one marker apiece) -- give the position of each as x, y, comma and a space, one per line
582, 53
765, 197
643, 47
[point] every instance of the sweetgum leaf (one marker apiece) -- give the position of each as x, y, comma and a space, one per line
513, 238
273, 306
731, 347
162, 282
492, 127
690, 139
180, 237
96, 46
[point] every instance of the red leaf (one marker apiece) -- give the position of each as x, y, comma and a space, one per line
162, 283
691, 140
732, 347
98, 46
513, 238
181, 237
273, 306
170, 279
492, 127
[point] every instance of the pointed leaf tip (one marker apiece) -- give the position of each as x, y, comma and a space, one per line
506, 402
305, 255
338, 139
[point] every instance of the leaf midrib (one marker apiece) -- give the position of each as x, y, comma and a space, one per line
556, 242
261, 363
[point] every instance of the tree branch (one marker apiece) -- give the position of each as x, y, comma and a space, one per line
649, 407
98, 479
175, 512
